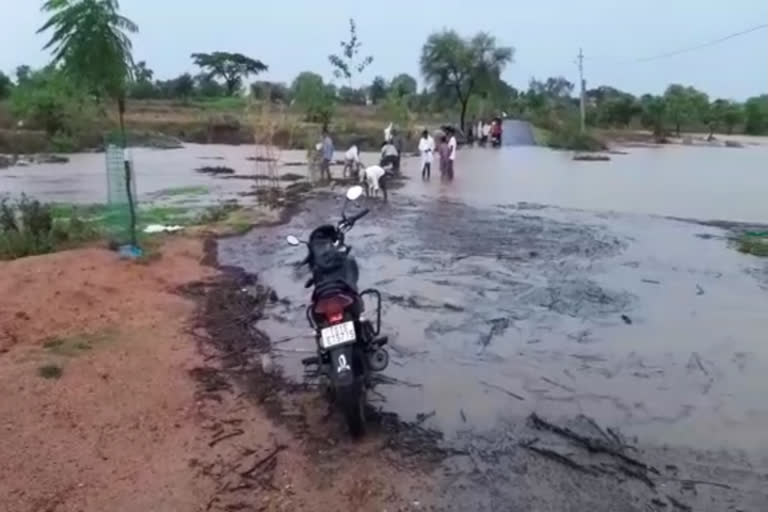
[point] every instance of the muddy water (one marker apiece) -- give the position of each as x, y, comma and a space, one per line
83, 179
646, 324
680, 181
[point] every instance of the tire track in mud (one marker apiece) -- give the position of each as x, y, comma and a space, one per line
238, 374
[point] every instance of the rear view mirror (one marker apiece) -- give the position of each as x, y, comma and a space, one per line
354, 192
292, 240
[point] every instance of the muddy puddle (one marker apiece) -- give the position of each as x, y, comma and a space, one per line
649, 326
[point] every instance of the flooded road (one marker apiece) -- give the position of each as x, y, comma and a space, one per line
650, 325
497, 308
681, 181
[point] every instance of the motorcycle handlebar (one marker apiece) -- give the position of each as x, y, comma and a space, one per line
355, 218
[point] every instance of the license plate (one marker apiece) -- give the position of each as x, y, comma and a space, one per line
338, 334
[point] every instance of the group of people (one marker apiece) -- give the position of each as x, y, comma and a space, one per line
375, 177
484, 131
446, 150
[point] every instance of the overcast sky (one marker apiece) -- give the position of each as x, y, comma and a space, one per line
296, 35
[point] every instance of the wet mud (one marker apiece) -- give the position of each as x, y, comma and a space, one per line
641, 325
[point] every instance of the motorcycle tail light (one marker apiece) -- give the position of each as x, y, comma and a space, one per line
333, 307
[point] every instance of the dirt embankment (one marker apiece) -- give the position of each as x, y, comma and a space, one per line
114, 401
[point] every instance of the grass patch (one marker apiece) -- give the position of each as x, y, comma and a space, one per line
73, 346
220, 103
184, 191
50, 371
165, 215
756, 245
217, 213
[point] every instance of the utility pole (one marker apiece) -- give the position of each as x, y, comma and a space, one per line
583, 87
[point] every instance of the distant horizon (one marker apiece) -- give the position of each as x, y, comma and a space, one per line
546, 37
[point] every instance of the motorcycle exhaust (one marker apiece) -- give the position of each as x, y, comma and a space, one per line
378, 360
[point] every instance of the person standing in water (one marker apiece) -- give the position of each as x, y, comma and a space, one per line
327, 154
444, 151
452, 147
426, 148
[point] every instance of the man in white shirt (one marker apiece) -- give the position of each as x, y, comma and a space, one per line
426, 148
374, 178
452, 147
486, 132
352, 161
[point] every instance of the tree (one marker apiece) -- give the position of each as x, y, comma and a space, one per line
463, 65
722, 113
732, 115
313, 97
348, 63
142, 86
5, 86
403, 85
230, 67
685, 105
756, 115
378, 90
208, 87
22, 73
275, 91
654, 114
351, 96
49, 100
554, 89
613, 107
183, 86
90, 43
142, 73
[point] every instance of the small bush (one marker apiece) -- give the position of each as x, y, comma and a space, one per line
755, 245
217, 213
50, 371
569, 136
28, 227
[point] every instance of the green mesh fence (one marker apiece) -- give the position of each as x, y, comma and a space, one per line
120, 221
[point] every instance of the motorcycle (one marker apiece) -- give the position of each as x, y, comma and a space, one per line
349, 346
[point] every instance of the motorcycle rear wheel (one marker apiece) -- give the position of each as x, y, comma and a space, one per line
352, 403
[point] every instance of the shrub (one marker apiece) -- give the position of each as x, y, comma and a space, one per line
28, 227
50, 371
752, 244
48, 101
568, 136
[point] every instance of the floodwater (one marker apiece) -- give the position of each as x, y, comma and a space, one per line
647, 324
83, 179
681, 181
497, 308
533, 283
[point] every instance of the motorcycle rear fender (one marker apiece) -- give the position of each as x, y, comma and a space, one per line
342, 361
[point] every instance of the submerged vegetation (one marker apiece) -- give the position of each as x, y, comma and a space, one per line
754, 243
